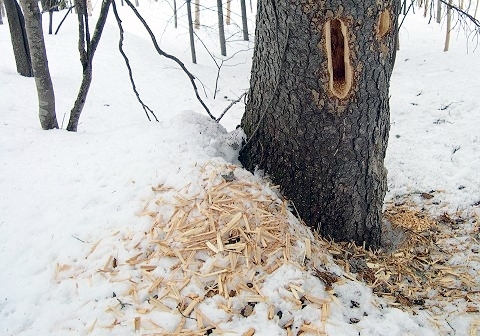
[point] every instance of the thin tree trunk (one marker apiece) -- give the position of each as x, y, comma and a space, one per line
221, 28
18, 35
137, 3
50, 22
425, 11
175, 19
476, 9
86, 48
197, 15
43, 81
229, 3
449, 26
317, 116
190, 31
244, 20
439, 11
2, 12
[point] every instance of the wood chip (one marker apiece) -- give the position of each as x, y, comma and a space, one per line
249, 332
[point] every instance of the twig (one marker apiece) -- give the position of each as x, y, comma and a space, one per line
78, 239
405, 15
231, 104
173, 58
462, 13
61, 22
127, 62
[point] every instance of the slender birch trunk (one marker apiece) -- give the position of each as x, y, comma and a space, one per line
190, 32
228, 12
197, 14
449, 26
43, 81
175, 19
221, 28
439, 11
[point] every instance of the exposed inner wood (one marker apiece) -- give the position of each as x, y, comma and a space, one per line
384, 23
338, 55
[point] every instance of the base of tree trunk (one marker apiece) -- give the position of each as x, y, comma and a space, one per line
317, 118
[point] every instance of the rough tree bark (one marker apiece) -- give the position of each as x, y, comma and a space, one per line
43, 81
18, 35
317, 117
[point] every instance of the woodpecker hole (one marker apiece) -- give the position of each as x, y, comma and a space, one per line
338, 56
384, 23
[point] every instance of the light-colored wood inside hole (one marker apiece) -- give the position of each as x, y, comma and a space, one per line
338, 57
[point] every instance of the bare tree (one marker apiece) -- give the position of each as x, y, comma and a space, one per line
221, 28
190, 29
86, 47
18, 35
244, 20
197, 14
229, 12
43, 81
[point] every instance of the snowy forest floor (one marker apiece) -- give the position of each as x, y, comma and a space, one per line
130, 225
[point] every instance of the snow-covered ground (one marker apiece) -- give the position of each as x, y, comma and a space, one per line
72, 203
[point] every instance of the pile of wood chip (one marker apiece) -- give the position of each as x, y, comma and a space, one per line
420, 274
221, 241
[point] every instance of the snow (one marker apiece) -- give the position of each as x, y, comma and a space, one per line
62, 193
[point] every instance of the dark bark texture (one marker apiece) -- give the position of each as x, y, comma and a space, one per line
19, 39
317, 118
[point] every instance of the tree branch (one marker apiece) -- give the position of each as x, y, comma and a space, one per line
127, 62
229, 106
173, 58
462, 14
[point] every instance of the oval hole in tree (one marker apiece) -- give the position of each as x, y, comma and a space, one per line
338, 56
384, 23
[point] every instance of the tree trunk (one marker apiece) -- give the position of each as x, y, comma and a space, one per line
43, 81
317, 117
175, 19
229, 12
244, 20
197, 14
19, 39
86, 48
221, 28
190, 31
1, 12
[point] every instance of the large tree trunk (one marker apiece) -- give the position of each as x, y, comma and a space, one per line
317, 117
19, 39
43, 81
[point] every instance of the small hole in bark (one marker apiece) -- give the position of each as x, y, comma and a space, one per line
384, 23
338, 55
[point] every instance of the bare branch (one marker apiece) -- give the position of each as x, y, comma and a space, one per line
173, 58
463, 14
127, 62
229, 106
